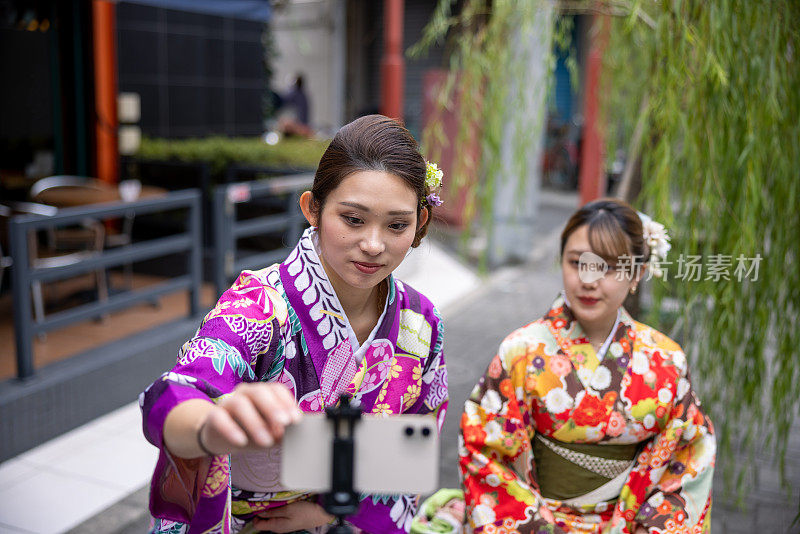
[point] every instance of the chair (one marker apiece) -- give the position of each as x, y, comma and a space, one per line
129, 191
113, 238
58, 254
52, 182
5, 260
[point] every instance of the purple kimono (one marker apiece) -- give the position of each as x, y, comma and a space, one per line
285, 324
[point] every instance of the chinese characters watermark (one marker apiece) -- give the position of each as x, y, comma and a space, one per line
687, 267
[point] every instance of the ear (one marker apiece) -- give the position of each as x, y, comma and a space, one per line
423, 216
306, 202
639, 274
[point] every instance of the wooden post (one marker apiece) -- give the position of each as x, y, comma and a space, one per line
105, 90
392, 64
592, 178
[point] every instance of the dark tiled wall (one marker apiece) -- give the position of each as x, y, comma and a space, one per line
196, 74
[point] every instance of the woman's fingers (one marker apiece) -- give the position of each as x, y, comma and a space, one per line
277, 406
260, 411
300, 515
241, 409
220, 432
278, 524
275, 520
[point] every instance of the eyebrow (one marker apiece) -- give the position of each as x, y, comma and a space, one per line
364, 208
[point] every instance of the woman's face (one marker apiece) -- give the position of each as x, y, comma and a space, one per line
594, 302
366, 227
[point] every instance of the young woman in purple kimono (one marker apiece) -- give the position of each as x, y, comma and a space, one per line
291, 337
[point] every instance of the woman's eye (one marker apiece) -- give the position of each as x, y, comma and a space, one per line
351, 220
398, 226
574, 263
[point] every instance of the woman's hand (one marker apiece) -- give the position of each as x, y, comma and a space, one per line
300, 515
253, 416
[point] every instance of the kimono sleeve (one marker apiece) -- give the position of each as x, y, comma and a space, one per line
495, 451
235, 343
673, 476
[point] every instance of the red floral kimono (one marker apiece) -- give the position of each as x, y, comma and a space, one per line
548, 385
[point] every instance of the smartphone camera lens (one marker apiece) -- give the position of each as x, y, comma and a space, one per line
426, 431
409, 431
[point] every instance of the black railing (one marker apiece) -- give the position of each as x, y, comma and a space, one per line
228, 228
25, 274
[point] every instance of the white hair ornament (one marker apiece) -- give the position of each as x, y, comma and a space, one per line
657, 239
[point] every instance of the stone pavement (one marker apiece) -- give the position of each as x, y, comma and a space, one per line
474, 326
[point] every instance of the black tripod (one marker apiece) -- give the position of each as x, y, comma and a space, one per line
342, 499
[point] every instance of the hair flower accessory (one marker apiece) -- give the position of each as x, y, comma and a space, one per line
433, 200
433, 175
657, 239
433, 184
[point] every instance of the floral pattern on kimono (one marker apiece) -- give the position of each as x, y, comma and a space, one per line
285, 324
546, 379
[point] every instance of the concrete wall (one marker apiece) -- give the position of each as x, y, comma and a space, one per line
310, 40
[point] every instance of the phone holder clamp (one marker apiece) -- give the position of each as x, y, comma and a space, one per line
342, 499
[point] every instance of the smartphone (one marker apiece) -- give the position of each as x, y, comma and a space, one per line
395, 454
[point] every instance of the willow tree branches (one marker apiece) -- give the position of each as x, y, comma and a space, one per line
720, 160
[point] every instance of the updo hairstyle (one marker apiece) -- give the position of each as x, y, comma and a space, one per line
372, 143
614, 228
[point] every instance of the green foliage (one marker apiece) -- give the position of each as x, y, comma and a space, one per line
487, 75
720, 163
221, 152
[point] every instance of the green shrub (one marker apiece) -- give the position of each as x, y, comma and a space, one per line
221, 152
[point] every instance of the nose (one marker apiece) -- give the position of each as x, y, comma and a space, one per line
590, 283
371, 242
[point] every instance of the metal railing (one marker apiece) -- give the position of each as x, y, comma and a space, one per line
175, 176
228, 229
25, 274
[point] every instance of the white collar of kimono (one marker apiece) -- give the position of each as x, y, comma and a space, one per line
607, 343
358, 349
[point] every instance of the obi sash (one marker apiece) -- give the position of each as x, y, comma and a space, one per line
566, 471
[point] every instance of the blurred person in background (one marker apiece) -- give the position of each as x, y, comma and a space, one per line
295, 111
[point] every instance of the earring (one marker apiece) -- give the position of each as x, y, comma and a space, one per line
633, 289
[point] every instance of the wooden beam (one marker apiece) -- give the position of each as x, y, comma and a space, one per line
105, 90
592, 178
392, 63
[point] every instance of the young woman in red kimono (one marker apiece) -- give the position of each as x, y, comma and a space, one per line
586, 421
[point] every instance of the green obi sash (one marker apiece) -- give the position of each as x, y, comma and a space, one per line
568, 470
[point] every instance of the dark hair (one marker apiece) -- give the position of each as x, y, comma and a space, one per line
614, 227
372, 143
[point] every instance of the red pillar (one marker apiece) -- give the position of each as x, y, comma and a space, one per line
592, 178
392, 64
105, 90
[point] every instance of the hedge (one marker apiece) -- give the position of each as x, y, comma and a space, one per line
221, 152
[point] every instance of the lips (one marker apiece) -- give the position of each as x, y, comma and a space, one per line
367, 268
588, 301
